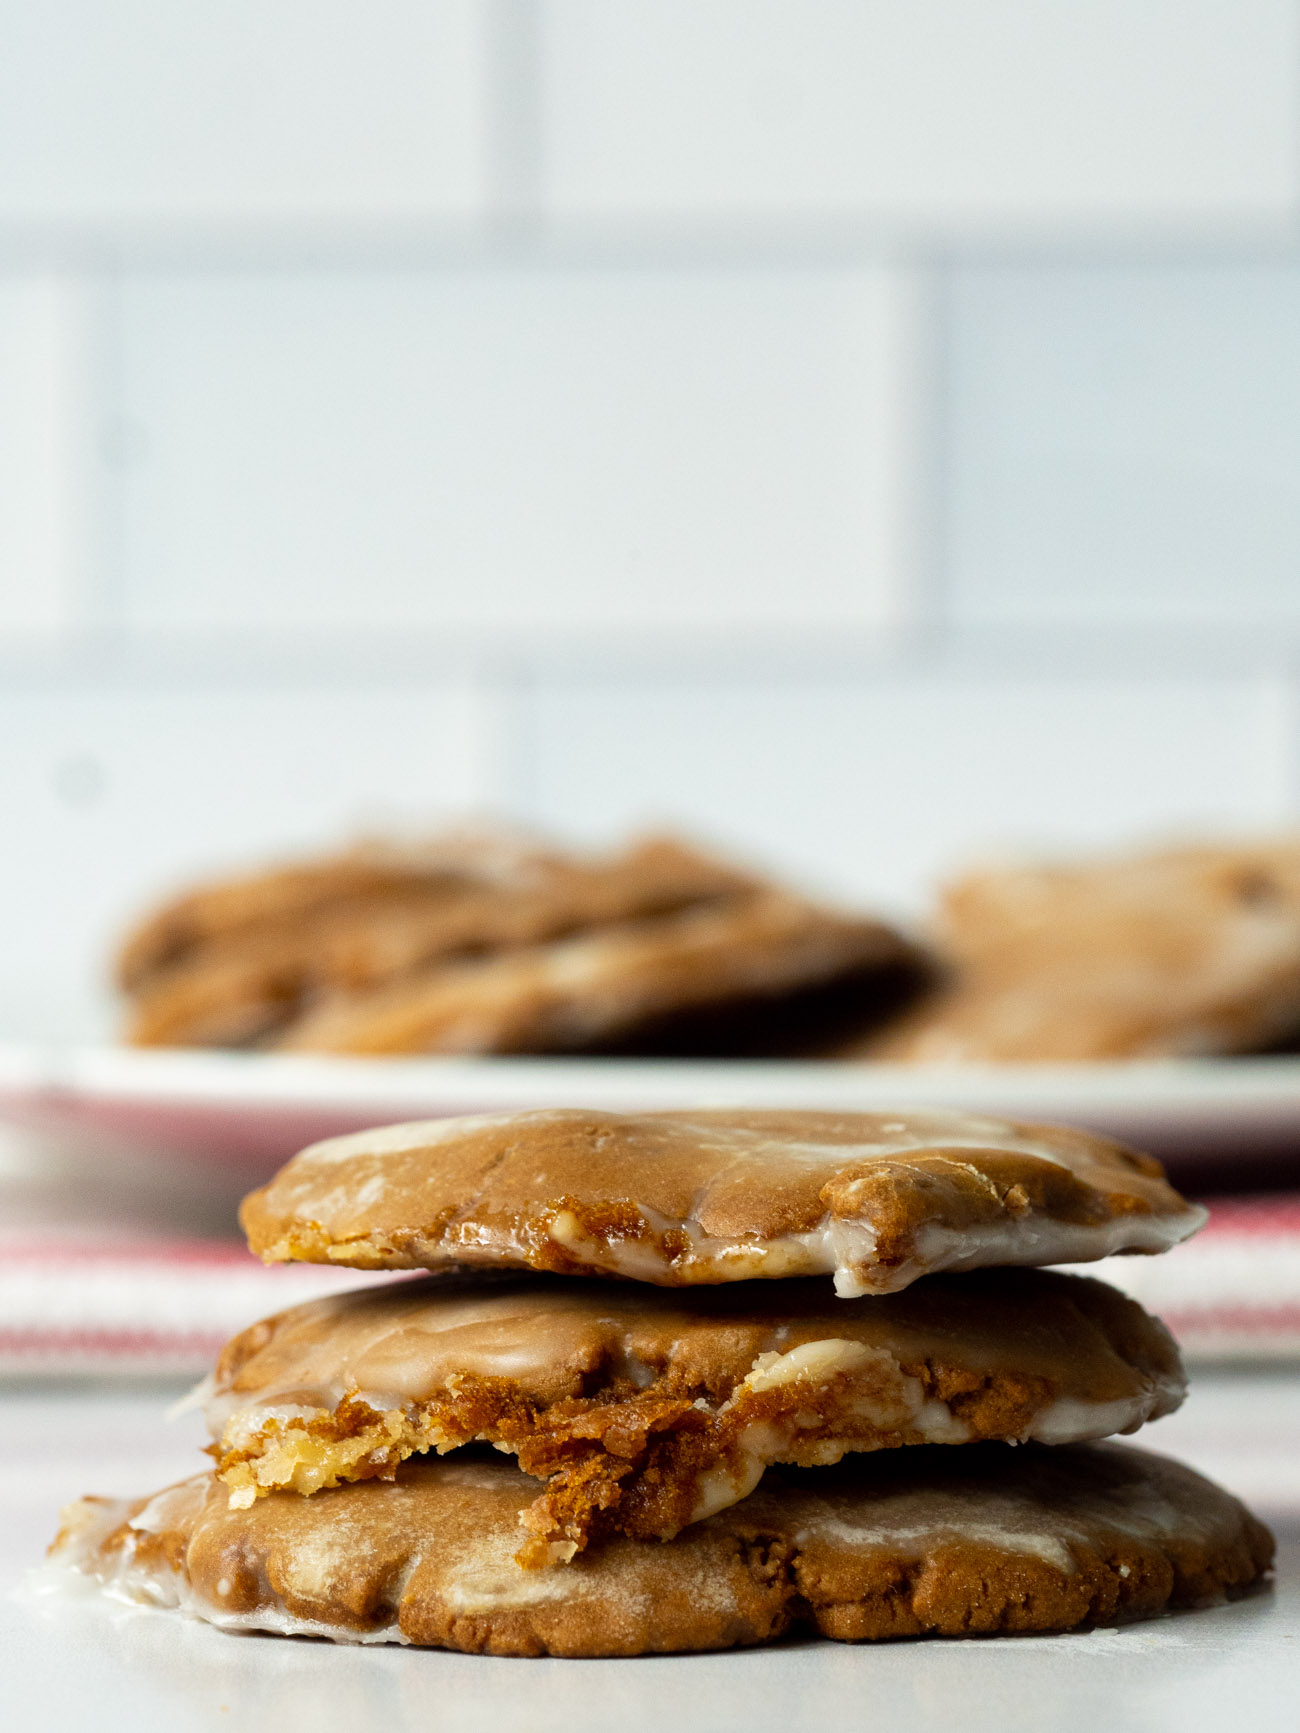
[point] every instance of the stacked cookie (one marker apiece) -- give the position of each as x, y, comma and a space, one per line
696, 1438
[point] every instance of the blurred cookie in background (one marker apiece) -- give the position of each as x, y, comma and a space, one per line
487, 941
1179, 952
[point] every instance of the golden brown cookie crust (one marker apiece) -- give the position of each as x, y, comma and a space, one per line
907, 1543
644, 1410
1183, 951
677, 1199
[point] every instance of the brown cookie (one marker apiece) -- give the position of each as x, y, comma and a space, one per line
646, 1410
683, 1198
254, 905
486, 943
1189, 951
238, 962
602, 986
905, 1543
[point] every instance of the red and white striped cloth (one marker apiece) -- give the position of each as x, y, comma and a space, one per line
73, 1303
1233, 1291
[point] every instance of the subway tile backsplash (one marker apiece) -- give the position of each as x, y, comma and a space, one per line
867, 431
922, 112
1124, 443
534, 450
230, 111
48, 464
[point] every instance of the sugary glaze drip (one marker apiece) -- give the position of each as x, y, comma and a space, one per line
644, 1411
874, 1199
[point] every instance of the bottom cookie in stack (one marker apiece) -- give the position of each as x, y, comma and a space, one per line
924, 1541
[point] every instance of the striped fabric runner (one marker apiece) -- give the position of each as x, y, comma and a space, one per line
1232, 1292
71, 1305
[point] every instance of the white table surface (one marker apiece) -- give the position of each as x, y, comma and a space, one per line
73, 1665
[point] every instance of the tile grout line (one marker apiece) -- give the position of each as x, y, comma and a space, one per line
511, 686
927, 434
1154, 651
105, 602
513, 154
515, 177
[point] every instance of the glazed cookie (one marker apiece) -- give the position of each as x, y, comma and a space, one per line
1190, 951
600, 987
877, 1199
252, 906
240, 962
905, 1543
647, 1410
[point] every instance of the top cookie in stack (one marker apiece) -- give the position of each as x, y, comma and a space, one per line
678, 1199
645, 1412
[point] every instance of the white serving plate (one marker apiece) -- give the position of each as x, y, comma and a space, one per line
247, 1112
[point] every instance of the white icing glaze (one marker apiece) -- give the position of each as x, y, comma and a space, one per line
1036, 1241
489, 1578
199, 1396
726, 1484
397, 1139
812, 1360
916, 1541
74, 1572
171, 1506
1070, 1421
846, 1249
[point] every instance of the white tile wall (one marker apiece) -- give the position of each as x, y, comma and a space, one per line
543, 450
922, 111
1125, 443
112, 797
47, 430
671, 361
874, 787
235, 110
